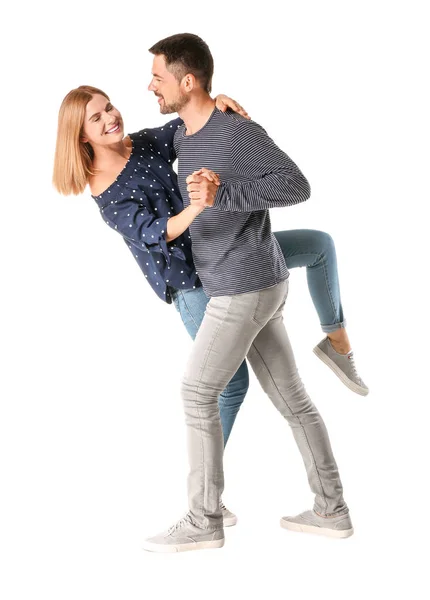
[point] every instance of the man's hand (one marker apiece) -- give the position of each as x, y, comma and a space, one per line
202, 186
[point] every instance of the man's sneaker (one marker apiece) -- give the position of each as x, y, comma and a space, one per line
185, 536
310, 522
229, 518
343, 365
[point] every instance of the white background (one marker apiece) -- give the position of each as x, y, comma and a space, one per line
93, 456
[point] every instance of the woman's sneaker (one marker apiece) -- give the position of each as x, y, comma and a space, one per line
342, 365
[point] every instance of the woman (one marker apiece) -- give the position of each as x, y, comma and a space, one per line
132, 181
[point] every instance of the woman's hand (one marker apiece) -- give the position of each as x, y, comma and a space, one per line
222, 102
202, 187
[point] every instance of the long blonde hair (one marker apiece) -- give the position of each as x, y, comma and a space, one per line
73, 157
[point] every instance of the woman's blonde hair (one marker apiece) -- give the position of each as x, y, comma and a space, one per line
73, 157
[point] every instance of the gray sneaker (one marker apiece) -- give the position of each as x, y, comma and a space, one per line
229, 518
185, 536
310, 522
343, 365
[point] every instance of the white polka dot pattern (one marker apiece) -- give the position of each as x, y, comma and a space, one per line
139, 211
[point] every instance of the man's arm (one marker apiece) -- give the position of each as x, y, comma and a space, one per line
273, 179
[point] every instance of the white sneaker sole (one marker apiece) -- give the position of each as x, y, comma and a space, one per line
333, 533
151, 547
229, 521
344, 379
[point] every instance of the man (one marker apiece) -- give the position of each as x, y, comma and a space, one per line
243, 272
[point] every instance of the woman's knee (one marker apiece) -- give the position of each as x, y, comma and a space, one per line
325, 242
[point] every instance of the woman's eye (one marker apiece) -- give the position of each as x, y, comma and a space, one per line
110, 107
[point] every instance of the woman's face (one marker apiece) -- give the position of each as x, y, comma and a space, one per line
103, 123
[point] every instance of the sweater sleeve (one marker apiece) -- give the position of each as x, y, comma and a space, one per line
272, 178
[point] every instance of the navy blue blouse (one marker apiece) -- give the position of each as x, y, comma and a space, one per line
138, 205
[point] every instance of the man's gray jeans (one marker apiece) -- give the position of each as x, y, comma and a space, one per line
234, 327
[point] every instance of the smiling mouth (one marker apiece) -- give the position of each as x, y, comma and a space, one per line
113, 129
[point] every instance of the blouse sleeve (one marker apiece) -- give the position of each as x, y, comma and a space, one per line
161, 139
138, 225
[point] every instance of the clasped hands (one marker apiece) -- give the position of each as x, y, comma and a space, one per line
202, 186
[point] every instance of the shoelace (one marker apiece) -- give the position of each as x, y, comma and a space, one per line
181, 523
222, 505
353, 367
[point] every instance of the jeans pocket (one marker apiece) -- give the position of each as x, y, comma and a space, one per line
263, 310
268, 303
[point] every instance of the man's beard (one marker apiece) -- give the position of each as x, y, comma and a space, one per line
174, 107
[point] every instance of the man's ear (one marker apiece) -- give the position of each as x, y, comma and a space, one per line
189, 82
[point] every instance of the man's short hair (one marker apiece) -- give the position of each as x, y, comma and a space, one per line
187, 53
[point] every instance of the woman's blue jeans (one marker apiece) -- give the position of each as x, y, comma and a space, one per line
308, 248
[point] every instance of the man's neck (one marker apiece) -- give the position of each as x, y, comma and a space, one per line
197, 113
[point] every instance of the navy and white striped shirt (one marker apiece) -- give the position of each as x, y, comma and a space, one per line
234, 249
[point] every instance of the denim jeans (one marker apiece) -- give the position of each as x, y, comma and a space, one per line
234, 327
308, 248
316, 251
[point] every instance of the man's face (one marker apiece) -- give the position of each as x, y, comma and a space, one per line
171, 96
